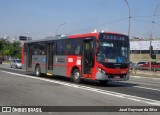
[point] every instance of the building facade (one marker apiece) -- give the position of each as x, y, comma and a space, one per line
140, 50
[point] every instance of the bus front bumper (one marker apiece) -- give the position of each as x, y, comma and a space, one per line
112, 77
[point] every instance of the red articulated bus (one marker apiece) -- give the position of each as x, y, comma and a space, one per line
96, 56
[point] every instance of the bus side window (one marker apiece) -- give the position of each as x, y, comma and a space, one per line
35, 52
76, 47
77, 50
25, 48
59, 47
68, 49
43, 49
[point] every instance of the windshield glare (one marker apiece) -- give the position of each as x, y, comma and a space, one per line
113, 52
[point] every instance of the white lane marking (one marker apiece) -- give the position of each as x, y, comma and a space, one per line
140, 77
51, 113
150, 84
142, 83
132, 82
16, 69
147, 88
115, 94
144, 87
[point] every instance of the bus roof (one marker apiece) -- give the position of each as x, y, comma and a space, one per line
93, 34
48, 39
57, 37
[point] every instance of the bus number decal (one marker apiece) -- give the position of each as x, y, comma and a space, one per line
70, 59
78, 62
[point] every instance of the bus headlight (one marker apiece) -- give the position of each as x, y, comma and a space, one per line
101, 70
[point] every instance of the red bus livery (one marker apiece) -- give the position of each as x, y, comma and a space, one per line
96, 56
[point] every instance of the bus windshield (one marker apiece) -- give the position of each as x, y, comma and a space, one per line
113, 49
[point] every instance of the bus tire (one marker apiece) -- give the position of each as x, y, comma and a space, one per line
76, 76
38, 71
103, 82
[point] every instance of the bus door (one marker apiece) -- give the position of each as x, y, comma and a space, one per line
88, 56
29, 57
50, 53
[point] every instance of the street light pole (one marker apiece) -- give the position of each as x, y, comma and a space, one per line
129, 17
151, 35
59, 27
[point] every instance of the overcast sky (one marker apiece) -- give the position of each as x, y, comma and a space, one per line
41, 18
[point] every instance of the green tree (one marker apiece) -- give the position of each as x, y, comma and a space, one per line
3, 45
10, 49
15, 49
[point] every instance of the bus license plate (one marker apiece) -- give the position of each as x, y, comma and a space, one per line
117, 77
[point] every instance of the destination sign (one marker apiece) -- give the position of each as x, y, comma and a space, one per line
113, 37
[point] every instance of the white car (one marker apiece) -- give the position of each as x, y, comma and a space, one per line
16, 63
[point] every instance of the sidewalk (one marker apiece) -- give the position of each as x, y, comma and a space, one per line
145, 73
5, 63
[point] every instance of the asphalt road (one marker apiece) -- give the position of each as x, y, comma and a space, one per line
19, 88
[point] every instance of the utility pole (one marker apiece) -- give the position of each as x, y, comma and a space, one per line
151, 35
129, 18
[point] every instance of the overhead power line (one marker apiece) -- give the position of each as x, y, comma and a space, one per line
157, 15
157, 23
111, 22
145, 16
149, 16
140, 20
145, 21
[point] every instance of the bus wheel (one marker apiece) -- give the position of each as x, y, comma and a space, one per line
76, 76
38, 71
103, 82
